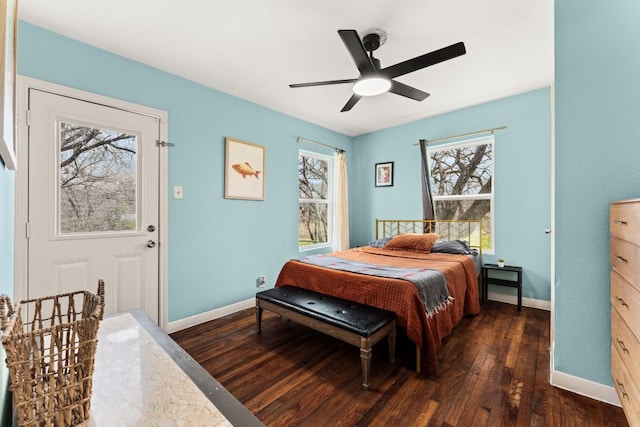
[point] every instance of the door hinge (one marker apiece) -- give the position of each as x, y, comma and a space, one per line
28, 117
27, 230
164, 144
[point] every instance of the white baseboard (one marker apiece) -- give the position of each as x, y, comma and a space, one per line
526, 302
584, 387
188, 322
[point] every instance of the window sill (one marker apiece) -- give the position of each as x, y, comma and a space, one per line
320, 248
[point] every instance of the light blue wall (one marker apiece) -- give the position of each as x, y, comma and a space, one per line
217, 247
522, 179
598, 160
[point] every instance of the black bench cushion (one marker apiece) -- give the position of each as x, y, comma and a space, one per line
354, 317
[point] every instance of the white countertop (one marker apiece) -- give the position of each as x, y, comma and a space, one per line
137, 382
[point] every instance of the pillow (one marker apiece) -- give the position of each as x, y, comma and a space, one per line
451, 247
412, 242
380, 242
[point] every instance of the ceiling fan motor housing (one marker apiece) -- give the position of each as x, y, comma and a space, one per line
371, 42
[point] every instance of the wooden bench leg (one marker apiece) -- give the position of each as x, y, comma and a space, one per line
392, 343
365, 358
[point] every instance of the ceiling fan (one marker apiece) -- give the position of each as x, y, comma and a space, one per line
374, 80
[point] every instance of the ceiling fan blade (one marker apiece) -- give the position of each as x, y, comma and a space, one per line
350, 103
425, 60
407, 91
354, 45
328, 82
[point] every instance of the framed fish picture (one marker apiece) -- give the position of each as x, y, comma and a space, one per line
244, 170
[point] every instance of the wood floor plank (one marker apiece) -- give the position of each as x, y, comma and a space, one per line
473, 411
392, 406
525, 385
493, 371
515, 342
286, 383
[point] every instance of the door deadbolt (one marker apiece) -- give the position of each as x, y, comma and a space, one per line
151, 228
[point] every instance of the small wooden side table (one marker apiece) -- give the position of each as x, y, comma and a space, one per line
488, 280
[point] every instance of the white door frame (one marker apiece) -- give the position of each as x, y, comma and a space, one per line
23, 84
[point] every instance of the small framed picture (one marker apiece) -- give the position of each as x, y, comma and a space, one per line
384, 174
244, 170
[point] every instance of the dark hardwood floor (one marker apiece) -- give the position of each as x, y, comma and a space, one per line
493, 371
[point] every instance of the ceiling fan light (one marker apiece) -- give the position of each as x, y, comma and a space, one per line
371, 86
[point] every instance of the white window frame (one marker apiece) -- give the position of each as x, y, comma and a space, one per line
329, 200
487, 140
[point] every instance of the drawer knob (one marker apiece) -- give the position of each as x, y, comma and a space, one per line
622, 390
622, 346
619, 222
621, 302
621, 259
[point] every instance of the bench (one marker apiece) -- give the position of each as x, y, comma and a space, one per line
351, 322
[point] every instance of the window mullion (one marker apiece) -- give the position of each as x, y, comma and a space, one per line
481, 196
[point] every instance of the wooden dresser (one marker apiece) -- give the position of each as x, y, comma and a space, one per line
624, 225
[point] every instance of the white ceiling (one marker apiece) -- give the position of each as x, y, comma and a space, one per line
254, 49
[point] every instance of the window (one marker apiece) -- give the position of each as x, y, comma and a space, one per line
98, 180
462, 183
315, 183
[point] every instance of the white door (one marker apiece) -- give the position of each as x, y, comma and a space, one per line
93, 202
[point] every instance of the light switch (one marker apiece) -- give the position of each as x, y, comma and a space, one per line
177, 192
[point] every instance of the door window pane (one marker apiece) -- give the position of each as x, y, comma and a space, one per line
98, 180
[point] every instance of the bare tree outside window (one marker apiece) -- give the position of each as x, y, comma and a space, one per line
98, 180
314, 192
462, 183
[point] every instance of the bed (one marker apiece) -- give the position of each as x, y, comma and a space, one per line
404, 270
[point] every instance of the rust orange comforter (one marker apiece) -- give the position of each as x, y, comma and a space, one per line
400, 296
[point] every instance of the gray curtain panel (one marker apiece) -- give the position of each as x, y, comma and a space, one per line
428, 208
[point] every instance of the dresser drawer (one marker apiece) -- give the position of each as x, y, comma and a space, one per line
624, 221
625, 257
626, 300
626, 389
627, 344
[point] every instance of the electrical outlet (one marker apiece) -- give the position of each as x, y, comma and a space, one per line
177, 192
262, 280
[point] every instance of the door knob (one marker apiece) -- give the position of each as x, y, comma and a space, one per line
151, 244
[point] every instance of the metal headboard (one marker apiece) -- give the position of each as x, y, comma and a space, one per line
469, 231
